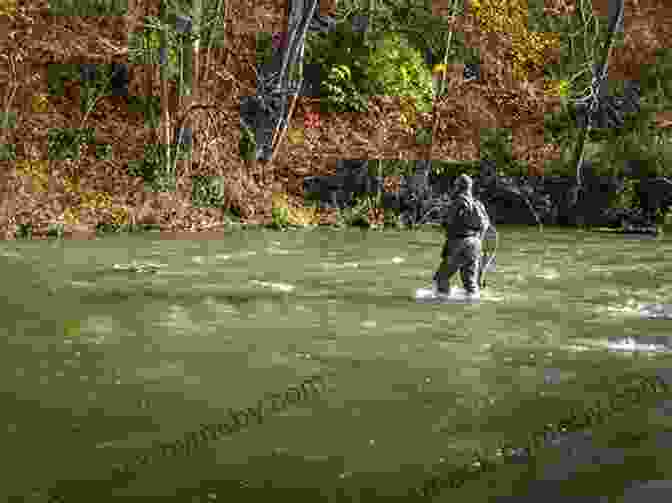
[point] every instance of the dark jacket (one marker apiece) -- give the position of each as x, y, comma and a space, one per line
454, 222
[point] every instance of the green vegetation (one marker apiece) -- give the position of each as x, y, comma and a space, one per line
397, 69
84, 8
208, 191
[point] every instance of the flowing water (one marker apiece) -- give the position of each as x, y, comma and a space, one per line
113, 344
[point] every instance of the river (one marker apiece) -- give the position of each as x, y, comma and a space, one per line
99, 362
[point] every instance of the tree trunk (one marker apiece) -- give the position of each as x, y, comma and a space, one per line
165, 105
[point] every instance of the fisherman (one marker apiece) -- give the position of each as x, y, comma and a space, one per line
465, 224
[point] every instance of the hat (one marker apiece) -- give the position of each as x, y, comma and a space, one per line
464, 182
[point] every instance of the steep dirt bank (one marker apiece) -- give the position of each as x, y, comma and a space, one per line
81, 194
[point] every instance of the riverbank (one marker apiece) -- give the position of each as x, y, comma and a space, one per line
220, 231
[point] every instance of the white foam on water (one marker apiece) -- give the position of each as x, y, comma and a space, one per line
221, 256
549, 274
656, 311
138, 266
84, 284
346, 265
577, 348
625, 345
283, 287
277, 251
629, 344
634, 309
457, 295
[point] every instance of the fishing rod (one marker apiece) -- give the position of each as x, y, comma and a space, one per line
491, 257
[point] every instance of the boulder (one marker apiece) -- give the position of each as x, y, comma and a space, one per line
655, 194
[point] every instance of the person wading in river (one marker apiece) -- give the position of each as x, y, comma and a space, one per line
465, 224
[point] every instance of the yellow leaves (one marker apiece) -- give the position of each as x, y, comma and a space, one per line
295, 215
38, 171
409, 116
303, 216
7, 7
40, 103
120, 216
279, 199
295, 136
71, 216
510, 17
96, 200
71, 185
439, 68
556, 87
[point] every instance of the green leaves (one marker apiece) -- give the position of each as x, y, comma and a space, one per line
208, 191
342, 94
65, 143
342, 56
264, 48
144, 48
397, 69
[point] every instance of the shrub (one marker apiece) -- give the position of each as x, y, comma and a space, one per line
397, 69
24, 231
208, 191
341, 94
628, 198
344, 49
247, 144
284, 214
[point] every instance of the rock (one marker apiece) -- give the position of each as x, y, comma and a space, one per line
655, 194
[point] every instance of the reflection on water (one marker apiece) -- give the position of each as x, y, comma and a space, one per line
205, 325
